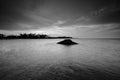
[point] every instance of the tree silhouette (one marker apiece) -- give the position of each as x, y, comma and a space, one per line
29, 36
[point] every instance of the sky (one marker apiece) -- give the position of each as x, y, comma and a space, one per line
76, 18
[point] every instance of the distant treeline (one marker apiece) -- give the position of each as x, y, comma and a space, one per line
29, 36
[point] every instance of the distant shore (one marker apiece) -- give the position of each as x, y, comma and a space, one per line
30, 36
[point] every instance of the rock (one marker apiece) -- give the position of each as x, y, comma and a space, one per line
67, 42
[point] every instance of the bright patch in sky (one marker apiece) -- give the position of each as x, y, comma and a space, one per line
76, 18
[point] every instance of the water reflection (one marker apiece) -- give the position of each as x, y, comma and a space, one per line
44, 59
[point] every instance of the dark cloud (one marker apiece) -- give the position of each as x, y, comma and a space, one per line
11, 12
19, 14
107, 14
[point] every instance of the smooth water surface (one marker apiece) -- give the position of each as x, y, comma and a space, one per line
43, 59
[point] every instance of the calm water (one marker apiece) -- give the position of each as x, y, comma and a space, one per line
45, 60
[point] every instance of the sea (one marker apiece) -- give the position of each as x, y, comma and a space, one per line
44, 59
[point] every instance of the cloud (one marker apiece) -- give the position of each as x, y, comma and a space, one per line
107, 14
78, 17
106, 10
13, 12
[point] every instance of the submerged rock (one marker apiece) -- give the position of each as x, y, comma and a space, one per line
67, 42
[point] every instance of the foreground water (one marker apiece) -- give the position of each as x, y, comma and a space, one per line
45, 60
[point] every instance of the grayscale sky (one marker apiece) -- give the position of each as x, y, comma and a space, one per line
76, 18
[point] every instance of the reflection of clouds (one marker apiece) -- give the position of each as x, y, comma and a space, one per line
37, 58
88, 52
9, 54
7, 50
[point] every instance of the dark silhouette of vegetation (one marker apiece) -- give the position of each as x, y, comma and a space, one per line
29, 36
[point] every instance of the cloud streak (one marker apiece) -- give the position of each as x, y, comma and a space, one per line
60, 15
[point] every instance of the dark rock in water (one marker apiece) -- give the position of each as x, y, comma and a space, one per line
67, 42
